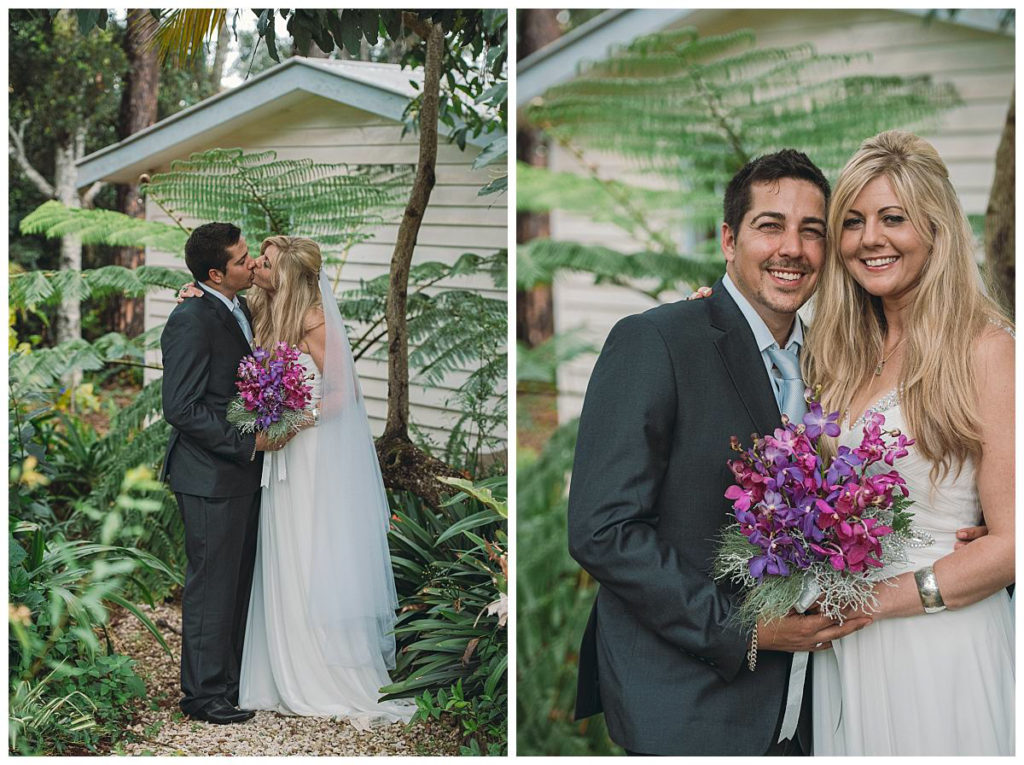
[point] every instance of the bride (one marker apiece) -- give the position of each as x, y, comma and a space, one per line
901, 327
319, 637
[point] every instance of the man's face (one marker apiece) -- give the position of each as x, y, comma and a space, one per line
237, 275
775, 255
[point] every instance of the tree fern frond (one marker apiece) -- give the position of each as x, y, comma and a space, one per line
264, 196
540, 363
694, 109
540, 259
54, 220
540, 191
41, 368
33, 288
133, 417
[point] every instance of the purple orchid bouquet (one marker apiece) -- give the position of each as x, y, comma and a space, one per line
273, 392
813, 528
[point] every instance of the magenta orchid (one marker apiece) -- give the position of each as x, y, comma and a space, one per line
798, 508
272, 391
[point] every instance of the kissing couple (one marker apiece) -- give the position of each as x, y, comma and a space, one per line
901, 327
289, 602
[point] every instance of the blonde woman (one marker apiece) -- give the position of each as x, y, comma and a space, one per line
902, 327
319, 635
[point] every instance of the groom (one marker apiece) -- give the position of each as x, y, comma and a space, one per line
660, 655
213, 469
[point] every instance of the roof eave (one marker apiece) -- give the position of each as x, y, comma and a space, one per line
229, 108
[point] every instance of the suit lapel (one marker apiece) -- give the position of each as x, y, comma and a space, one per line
743, 361
226, 318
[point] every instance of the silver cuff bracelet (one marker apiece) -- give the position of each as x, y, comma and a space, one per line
928, 589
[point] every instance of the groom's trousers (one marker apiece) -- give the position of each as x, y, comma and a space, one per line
220, 543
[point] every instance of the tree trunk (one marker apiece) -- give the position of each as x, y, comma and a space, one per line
221, 56
403, 465
401, 260
138, 111
999, 218
535, 317
69, 314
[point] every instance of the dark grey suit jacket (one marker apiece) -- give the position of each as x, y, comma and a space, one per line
660, 655
206, 456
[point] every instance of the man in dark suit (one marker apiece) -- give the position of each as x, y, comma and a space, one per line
213, 469
660, 655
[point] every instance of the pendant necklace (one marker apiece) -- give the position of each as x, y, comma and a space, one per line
881, 361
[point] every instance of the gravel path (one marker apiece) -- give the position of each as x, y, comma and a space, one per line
161, 729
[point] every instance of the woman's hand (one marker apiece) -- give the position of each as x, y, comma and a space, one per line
188, 291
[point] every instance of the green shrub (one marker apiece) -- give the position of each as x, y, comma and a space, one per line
451, 570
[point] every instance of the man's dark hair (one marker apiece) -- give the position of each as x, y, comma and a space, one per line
207, 247
787, 163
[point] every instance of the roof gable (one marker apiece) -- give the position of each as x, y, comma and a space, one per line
381, 89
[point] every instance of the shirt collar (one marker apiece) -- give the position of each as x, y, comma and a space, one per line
762, 335
231, 304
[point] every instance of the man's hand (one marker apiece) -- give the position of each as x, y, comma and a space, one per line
805, 632
963, 536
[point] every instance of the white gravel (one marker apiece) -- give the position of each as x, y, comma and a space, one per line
161, 729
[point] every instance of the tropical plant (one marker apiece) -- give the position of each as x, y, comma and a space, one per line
451, 571
62, 100
453, 329
68, 687
690, 111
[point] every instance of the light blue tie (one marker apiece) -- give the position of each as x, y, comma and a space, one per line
790, 393
243, 322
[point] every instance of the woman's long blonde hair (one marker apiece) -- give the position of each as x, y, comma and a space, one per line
948, 314
280, 316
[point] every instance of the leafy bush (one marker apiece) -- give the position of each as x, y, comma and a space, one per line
451, 571
67, 687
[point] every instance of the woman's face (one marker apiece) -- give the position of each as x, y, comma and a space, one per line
879, 245
263, 274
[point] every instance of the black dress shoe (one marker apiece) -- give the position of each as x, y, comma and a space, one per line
220, 712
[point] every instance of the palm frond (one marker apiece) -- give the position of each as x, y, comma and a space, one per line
183, 32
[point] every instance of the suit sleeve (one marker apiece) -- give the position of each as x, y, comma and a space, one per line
186, 352
625, 437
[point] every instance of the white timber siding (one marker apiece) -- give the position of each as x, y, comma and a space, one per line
456, 221
979, 63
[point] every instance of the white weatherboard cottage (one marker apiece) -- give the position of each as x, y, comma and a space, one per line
970, 51
331, 112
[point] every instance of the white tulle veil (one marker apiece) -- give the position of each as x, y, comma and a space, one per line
352, 599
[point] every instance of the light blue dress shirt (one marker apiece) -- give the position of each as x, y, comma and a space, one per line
762, 335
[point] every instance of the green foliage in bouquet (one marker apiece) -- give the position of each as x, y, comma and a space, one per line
451, 571
773, 596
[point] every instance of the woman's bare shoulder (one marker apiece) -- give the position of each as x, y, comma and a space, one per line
314, 318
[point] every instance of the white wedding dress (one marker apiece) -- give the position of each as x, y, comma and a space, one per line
932, 684
318, 638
